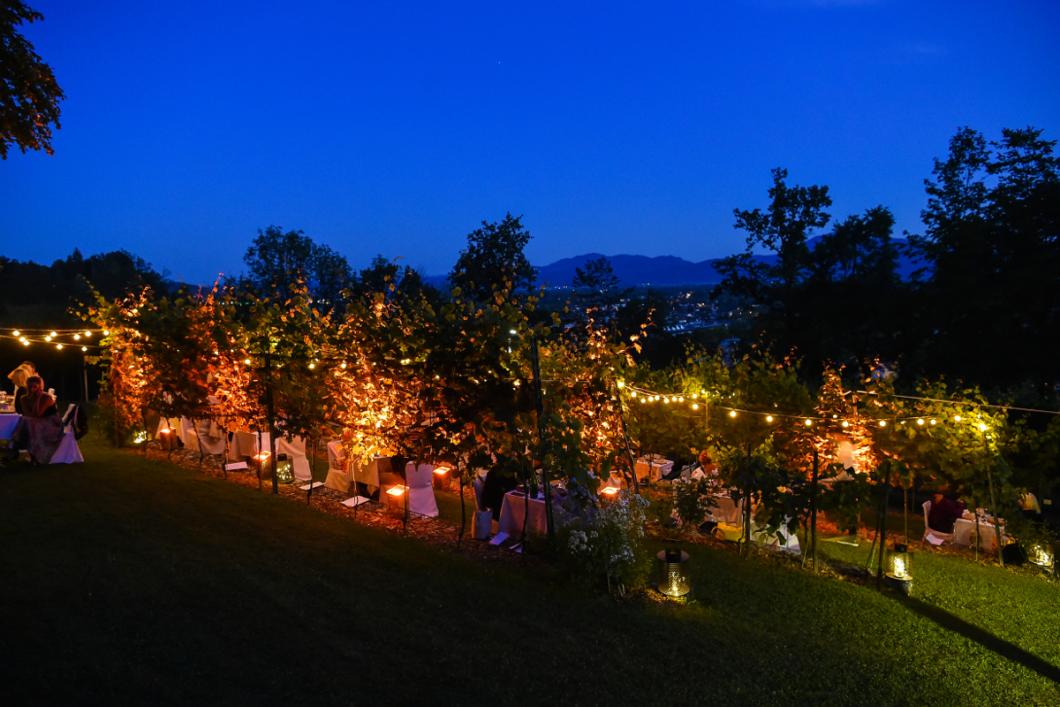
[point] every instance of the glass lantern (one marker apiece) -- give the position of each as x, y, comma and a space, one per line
284, 470
1040, 555
674, 582
900, 573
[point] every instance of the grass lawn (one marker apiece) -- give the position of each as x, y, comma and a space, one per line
133, 580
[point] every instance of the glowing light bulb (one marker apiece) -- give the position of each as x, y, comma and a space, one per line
106, 332
246, 361
920, 421
883, 423
732, 413
52, 334
769, 419
59, 347
84, 348
16, 333
77, 337
982, 426
88, 334
957, 418
621, 385
846, 424
312, 365
695, 406
933, 421
808, 422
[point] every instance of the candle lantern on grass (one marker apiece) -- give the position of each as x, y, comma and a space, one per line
261, 464
167, 439
284, 470
900, 574
1041, 555
674, 582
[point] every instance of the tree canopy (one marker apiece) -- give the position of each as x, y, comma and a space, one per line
29, 93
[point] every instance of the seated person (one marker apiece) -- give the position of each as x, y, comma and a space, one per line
497, 484
944, 512
40, 430
706, 469
19, 377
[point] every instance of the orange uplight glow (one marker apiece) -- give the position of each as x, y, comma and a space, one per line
395, 491
609, 490
165, 430
261, 456
441, 470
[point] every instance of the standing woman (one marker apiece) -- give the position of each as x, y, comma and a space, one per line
40, 427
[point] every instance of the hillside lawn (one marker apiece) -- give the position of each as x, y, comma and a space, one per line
133, 580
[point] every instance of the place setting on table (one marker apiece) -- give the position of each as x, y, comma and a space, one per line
964, 529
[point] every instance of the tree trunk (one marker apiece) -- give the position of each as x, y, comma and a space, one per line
270, 411
813, 508
883, 533
539, 404
629, 449
463, 515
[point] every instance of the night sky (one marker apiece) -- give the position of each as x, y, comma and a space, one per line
395, 128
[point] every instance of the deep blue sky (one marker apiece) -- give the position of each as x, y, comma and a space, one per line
395, 128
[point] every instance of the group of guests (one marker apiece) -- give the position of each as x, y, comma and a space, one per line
40, 429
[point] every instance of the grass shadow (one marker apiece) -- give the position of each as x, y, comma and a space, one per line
1005, 649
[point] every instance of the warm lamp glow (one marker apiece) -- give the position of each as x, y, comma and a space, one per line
59, 347
732, 413
956, 418
165, 430
883, 423
16, 333
808, 422
920, 421
769, 418
933, 421
396, 491
846, 424
695, 406
77, 337
88, 334
84, 348
106, 332
609, 490
621, 384
441, 470
262, 456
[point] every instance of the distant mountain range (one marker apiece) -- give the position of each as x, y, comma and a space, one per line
661, 270
669, 270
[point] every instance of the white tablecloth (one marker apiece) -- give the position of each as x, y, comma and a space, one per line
653, 468
964, 534
7, 424
726, 510
513, 512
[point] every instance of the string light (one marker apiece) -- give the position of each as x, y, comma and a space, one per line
769, 419
732, 413
808, 422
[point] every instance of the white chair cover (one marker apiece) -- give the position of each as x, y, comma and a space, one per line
338, 472
418, 478
294, 448
211, 438
68, 451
